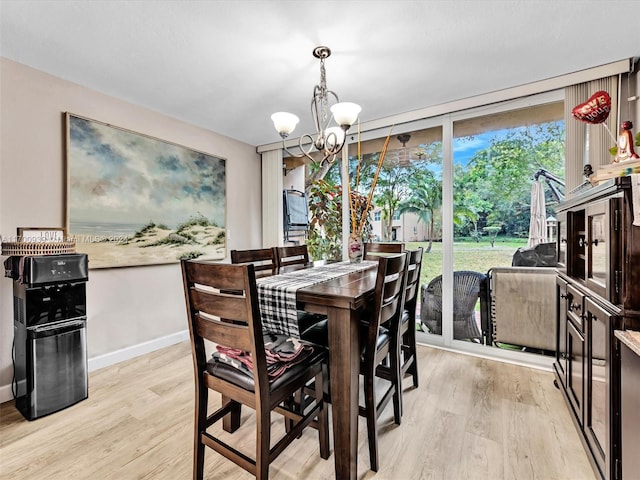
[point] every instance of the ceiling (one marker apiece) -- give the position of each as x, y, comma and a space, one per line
228, 65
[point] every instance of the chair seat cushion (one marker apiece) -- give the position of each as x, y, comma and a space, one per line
242, 379
318, 334
307, 320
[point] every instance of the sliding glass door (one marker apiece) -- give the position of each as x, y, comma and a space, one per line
500, 159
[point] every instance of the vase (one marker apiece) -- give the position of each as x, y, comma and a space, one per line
356, 248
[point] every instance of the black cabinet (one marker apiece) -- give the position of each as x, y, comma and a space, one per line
598, 293
628, 346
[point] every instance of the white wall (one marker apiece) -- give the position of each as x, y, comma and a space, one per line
130, 310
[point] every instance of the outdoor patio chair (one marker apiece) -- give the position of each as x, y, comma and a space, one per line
467, 288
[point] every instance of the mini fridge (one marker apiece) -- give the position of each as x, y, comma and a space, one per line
50, 345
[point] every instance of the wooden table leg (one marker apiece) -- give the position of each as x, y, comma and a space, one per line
344, 359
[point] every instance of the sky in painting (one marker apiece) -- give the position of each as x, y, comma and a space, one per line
117, 176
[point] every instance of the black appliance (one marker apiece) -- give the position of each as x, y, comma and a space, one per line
50, 347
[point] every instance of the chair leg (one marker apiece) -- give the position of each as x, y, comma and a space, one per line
323, 418
372, 420
202, 396
413, 369
263, 441
396, 380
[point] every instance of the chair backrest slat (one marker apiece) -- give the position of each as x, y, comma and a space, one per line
225, 305
224, 333
293, 255
378, 248
263, 259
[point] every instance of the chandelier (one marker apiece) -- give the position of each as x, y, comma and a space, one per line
328, 140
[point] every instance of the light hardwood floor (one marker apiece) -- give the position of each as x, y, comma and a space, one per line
471, 418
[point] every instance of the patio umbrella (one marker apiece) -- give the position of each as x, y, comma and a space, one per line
538, 222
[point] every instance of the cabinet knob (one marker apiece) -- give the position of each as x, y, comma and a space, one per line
595, 243
563, 295
575, 306
563, 240
581, 242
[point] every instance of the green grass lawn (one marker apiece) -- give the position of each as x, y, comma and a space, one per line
468, 255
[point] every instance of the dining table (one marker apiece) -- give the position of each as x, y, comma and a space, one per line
342, 299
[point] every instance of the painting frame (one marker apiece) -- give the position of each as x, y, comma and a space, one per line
132, 199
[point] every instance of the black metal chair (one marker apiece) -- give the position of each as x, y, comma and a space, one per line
467, 288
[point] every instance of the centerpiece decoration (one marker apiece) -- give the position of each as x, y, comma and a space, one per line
359, 212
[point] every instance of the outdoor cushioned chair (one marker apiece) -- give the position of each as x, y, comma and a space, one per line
467, 287
222, 307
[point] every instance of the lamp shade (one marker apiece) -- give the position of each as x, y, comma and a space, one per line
345, 113
284, 122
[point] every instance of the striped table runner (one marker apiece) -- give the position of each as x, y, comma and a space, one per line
277, 294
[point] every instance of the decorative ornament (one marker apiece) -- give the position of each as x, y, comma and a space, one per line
595, 110
356, 248
625, 149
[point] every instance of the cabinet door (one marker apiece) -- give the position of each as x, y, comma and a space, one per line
598, 363
562, 242
602, 270
576, 244
575, 369
630, 413
561, 329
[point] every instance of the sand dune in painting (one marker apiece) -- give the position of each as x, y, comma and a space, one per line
154, 245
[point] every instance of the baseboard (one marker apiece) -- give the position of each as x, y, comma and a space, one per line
118, 356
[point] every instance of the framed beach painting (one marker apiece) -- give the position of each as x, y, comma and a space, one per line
132, 199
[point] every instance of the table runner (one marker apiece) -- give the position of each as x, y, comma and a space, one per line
277, 294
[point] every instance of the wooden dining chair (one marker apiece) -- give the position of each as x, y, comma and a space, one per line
292, 255
380, 346
380, 343
378, 248
263, 260
409, 362
406, 348
220, 291
297, 255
